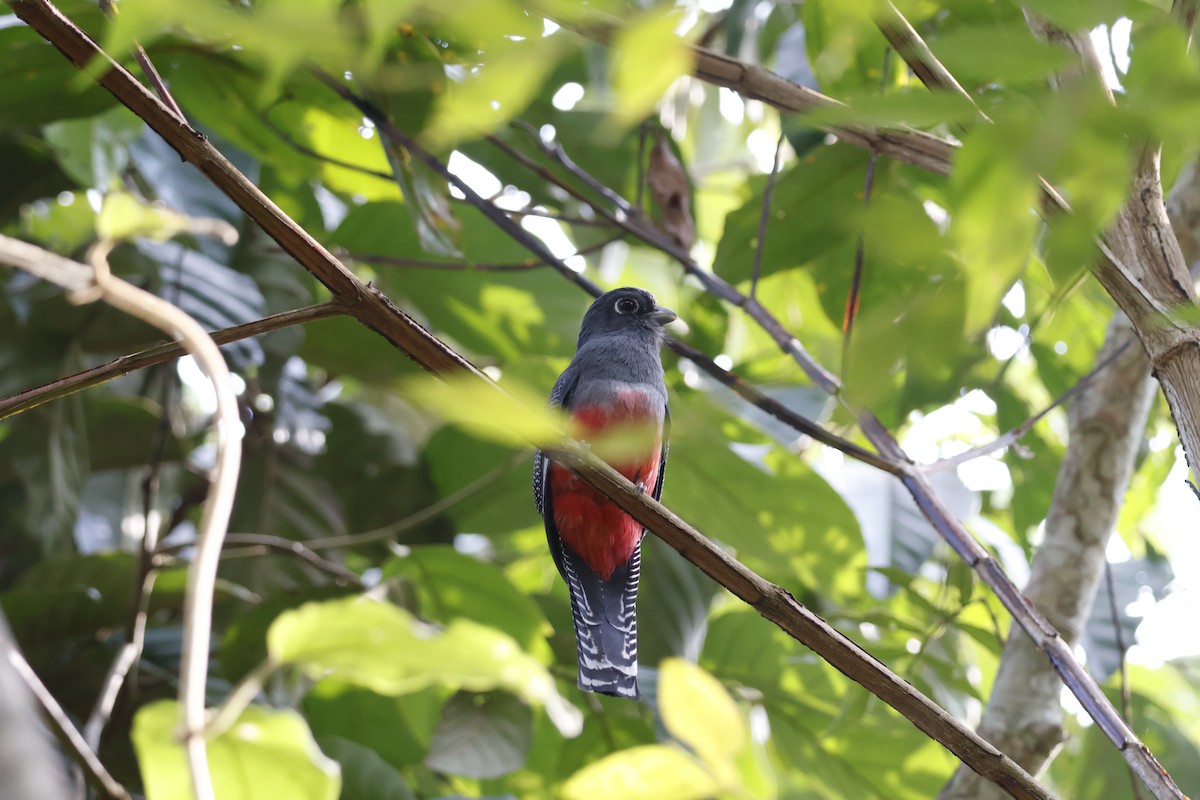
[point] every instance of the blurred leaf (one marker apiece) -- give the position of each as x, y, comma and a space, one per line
365, 776
95, 151
123, 216
515, 415
674, 601
397, 729
652, 772
1100, 638
264, 753
209, 292
699, 712
451, 585
480, 736
647, 58
382, 648
40, 85
981, 54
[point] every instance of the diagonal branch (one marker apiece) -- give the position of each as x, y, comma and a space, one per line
66, 732
32, 398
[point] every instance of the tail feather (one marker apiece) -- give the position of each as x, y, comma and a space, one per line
605, 617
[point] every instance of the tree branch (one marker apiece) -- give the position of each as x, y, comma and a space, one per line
41, 767
32, 398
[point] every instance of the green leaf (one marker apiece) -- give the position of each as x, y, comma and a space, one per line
365, 776
515, 415
397, 729
452, 585
481, 736
382, 648
124, 216
651, 772
40, 85
699, 712
647, 57
488, 97
815, 210
986, 53
266, 753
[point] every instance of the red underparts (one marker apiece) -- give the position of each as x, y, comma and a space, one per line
597, 530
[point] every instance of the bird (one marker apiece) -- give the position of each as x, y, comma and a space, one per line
615, 380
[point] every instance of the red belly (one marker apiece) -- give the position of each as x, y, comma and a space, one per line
597, 530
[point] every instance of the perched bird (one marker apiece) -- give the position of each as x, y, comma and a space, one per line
615, 381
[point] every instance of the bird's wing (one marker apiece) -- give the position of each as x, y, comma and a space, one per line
662, 461
560, 397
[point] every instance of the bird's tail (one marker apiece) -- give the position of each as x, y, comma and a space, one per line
605, 617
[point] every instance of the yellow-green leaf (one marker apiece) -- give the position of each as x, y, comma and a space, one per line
123, 216
699, 712
651, 772
381, 647
266, 753
514, 416
647, 57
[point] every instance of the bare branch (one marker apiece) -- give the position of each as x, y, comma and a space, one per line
1011, 437
64, 729
31, 398
263, 543
765, 217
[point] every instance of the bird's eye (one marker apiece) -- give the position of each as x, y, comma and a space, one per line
626, 305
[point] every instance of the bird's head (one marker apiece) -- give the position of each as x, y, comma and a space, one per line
625, 310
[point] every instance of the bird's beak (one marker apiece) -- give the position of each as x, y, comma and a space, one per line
662, 315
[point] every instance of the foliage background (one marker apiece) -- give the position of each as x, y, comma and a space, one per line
973, 316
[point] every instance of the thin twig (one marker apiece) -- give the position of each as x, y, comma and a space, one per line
860, 247
64, 729
1011, 437
431, 511
475, 266
148, 69
280, 544
1126, 703
31, 398
765, 216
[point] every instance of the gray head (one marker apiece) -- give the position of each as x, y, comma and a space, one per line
626, 310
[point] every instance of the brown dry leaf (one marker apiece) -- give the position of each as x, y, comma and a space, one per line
668, 184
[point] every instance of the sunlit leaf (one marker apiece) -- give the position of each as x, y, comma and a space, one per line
699, 712
265, 753
647, 58
514, 415
653, 772
382, 648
